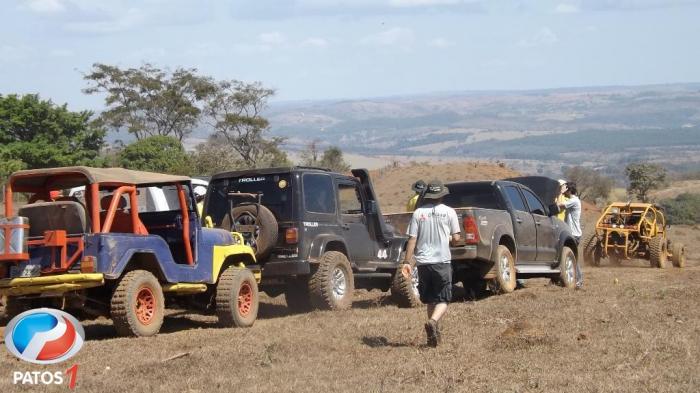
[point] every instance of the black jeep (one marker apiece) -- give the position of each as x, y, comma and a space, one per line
317, 234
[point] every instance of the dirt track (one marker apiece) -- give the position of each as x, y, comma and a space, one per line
641, 334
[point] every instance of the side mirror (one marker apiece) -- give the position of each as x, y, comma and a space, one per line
553, 209
371, 207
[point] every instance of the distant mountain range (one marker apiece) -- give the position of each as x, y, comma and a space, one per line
537, 130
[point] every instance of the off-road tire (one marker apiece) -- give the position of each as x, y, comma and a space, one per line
323, 290
505, 281
657, 252
567, 273
404, 291
138, 288
296, 294
267, 223
237, 298
590, 245
678, 254
11, 306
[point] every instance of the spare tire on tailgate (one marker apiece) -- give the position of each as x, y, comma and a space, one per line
257, 224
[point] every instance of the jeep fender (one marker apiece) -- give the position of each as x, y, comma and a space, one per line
321, 243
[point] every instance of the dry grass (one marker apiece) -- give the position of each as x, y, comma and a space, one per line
641, 334
393, 185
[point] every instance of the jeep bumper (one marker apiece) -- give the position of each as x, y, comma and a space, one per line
50, 285
285, 268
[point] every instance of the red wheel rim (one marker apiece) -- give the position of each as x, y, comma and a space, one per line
145, 305
245, 299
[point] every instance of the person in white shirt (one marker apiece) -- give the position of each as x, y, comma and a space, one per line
432, 227
572, 206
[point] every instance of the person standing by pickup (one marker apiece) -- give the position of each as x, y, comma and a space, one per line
430, 230
572, 206
418, 188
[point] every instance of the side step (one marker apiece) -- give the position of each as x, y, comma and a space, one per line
524, 269
372, 275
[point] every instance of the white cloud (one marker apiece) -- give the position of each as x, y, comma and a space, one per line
45, 6
441, 43
131, 18
315, 42
422, 3
61, 53
14, 53
396, 36
272, 38
544, 37
566, 8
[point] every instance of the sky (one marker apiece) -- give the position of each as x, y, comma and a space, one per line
344, 49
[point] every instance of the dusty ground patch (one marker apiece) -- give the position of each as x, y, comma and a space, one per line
641, 334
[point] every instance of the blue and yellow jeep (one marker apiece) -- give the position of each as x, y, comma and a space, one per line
104, 251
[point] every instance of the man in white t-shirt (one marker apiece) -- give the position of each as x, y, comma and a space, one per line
572, 206
432, 227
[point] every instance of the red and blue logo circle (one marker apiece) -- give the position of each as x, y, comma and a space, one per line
44, 336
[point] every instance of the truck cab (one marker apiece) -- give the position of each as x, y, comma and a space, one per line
108, 253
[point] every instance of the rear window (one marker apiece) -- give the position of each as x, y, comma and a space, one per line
275, 189
472, 195
319, 193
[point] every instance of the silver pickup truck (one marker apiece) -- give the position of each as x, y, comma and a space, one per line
508, 233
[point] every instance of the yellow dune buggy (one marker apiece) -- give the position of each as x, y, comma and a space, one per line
632, 230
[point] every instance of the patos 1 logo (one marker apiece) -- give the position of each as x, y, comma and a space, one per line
44, 336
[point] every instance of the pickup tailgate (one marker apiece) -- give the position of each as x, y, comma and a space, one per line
477, 229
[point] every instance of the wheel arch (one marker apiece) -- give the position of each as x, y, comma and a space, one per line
509, 242
141, 260
324, 243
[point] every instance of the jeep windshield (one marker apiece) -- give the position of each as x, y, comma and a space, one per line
276, 193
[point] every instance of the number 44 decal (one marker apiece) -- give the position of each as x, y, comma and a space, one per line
383, 253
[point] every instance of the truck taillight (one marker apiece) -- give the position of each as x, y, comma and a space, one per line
291, 236
471, 231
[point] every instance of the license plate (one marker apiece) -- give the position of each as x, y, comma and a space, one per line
24, 270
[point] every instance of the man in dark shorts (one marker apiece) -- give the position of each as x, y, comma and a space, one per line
432, 227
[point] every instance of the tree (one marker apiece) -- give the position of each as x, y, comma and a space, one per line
214, 156
333, 160
148, 101
36, 133
156, 154
235, 112
310, 155
644, 177
591, 184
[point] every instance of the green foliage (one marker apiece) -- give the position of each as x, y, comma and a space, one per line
644, 177
214, 156
683, 209
333, 159
156, 154
591, 184
37, 133
235, 112
148, 101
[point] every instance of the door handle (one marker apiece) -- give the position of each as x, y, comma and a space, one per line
345, 226
537, 223
519, 220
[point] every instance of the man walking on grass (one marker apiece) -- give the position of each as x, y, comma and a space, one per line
432, 227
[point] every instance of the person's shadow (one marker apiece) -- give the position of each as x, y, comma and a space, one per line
381, 341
